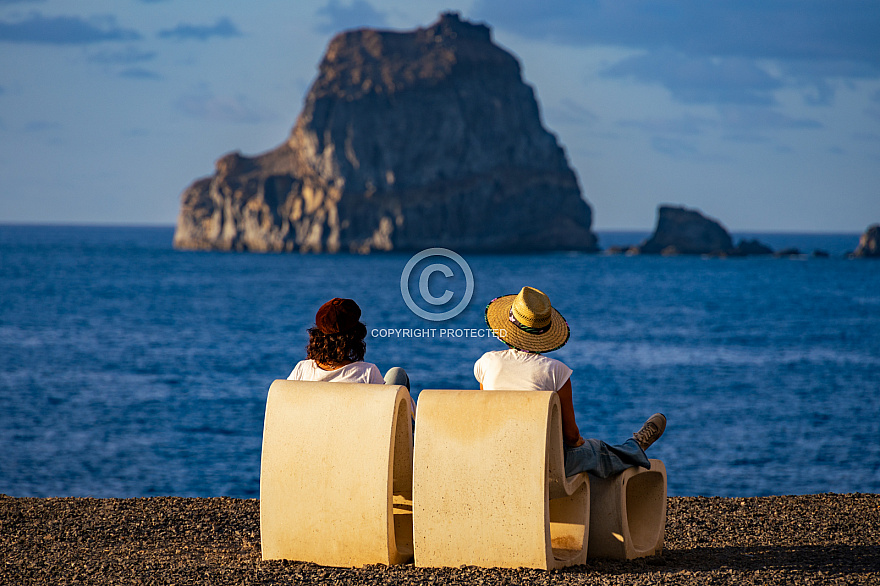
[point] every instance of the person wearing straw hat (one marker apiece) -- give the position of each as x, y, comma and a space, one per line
336, 348
530, 326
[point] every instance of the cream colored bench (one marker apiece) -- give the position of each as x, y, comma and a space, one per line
489, 485
336, 474
628, 513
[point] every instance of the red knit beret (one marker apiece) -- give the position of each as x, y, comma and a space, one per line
337, 315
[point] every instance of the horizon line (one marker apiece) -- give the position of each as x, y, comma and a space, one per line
152, 225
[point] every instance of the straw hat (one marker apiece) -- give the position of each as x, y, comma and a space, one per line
527, 322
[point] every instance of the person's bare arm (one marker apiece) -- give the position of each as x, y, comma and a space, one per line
570, 432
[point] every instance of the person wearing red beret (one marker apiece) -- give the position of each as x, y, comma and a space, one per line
336, 349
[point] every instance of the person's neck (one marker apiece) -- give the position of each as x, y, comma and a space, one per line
332, 366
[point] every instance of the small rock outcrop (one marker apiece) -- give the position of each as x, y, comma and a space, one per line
683, 231
869, 243
751, 248
407, 140
788, 252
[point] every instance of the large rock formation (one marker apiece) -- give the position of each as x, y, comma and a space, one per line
406, 141
869, 243
683, 231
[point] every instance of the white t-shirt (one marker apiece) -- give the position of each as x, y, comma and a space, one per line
512, 370
356, 372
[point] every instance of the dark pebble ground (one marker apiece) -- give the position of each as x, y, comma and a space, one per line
815, 539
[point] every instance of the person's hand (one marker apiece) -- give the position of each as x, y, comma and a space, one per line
581, 441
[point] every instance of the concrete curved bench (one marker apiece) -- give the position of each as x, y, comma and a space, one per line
336, 474
628, 517
489, 485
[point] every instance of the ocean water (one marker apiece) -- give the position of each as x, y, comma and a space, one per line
130, 369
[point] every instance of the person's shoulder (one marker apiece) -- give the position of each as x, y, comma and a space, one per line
525, 357
495, 355
544, 362
562, 370
302, 368
362, 365
367, 371
548, 360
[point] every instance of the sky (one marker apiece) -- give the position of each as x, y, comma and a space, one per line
763, 114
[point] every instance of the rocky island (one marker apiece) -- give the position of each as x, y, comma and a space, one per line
681, 230
869, 243
407, 140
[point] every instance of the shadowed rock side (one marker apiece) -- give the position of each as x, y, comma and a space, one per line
683, 231
869, 243
406, 140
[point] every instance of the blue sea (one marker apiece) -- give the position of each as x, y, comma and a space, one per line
131, 369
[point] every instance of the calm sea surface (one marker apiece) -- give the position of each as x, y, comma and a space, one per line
130, 369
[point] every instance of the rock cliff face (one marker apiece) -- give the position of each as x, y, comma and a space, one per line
406, 141
869, 243
683, 231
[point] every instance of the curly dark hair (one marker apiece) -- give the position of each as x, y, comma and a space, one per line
337, 349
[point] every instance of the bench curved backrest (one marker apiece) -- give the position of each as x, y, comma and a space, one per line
336, 474
489, 486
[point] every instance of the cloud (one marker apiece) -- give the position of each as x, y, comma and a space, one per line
844, 30
700, 79
759, 119
568, 111
224, 28
818, 80
872, 110
682, 149
64, 30
139, 73
686, 125
746, 137
674, 147
41, 126
735, 123
713, 51
204, 105
357, 14
128, 56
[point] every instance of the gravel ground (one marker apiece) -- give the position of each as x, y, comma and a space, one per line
815, 539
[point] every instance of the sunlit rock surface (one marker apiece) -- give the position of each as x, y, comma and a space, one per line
869, 243
407, 140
